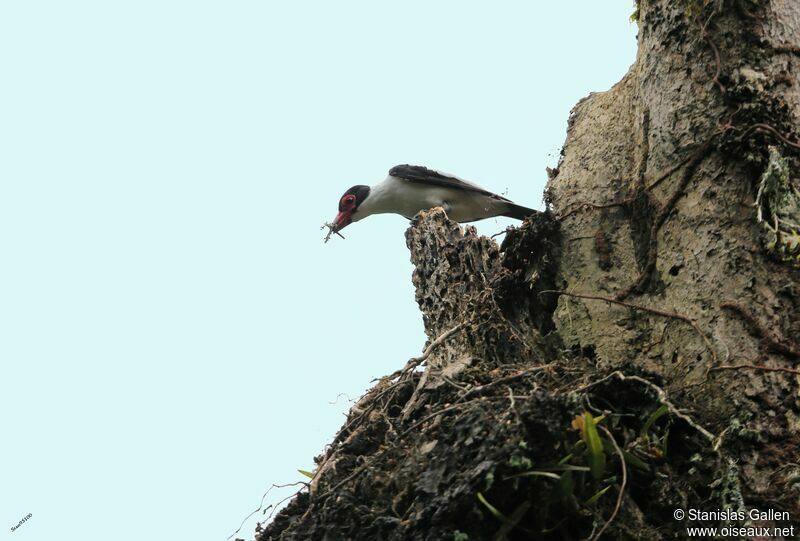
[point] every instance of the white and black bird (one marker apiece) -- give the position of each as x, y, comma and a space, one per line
410, 189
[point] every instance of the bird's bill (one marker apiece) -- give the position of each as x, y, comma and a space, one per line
343, 219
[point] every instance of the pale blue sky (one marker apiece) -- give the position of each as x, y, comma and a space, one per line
173, 331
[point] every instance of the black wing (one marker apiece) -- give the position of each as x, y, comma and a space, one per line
423, 175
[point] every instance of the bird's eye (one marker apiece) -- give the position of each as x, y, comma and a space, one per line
347, 203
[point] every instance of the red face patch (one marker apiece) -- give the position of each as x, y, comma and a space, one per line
348, 202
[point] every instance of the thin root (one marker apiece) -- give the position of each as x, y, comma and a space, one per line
621, 487
654, 311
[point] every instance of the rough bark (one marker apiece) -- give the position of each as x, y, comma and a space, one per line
649, 295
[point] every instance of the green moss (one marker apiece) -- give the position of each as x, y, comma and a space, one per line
520, 462
778, 208
634, 18
695, 7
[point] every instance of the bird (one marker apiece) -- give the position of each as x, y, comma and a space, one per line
410, 189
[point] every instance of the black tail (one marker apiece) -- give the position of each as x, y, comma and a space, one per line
518, 212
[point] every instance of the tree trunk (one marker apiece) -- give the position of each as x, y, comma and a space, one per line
626, 354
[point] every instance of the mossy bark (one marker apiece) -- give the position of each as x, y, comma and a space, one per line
646, 296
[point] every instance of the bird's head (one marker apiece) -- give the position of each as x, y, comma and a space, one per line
348, 206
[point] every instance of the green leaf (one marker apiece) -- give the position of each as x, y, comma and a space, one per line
596, 496
565, 487
634, 461
534, 473
630, 458
307, 473
562, 467
653, 418
512, 522
597, 458
492, 509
